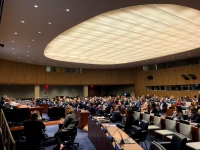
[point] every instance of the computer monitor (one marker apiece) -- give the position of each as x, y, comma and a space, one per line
56, 112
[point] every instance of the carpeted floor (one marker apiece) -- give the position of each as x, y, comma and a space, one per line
81, 138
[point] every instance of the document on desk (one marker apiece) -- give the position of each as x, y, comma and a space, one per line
111, 124
100, 117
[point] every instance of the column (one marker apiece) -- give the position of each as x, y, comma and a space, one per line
85, 91
37, 91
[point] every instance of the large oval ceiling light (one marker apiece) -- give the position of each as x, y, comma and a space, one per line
128, 35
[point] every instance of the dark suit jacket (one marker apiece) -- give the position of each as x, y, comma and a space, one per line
116, 116
91, 110
33, 130
195, 118
164, 107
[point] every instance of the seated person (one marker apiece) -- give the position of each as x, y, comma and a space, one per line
178, 102
127, 119
91, 109
116, 114
153, 109
178, 113
34, 128
144, 107
194, 117
68, 124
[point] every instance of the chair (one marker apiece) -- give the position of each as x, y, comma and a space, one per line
156, 146
178, 142
139, 133
194, 145
70, 137
33, 133
170, 128
146, 117
156, 122
136, 115
185, 130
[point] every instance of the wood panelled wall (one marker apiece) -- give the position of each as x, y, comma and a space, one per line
170, 76
20, 73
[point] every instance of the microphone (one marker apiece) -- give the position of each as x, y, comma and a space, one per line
122, 140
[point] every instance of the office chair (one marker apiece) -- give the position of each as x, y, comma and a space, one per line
156, 146
139, 133
70, 137
178, 142
34, 135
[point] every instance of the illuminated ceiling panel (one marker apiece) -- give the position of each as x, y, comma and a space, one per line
128, 35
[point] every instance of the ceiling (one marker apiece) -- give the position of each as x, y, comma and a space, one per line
26, 31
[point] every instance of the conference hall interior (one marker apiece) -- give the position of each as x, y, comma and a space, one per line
100, 74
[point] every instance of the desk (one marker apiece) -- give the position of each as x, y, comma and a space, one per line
83, 115
38, 108
49, 123
101, 140
45, 106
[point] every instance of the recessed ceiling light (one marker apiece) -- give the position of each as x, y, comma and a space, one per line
29, 46
27, 55
23, 21
49, 22
14, 53
32, 58
18, 57
28, 61
67, 9
32, 39
13, 41
41, 61
15, 32
36, 6
28, 51
39, 32
172, 58
12, 48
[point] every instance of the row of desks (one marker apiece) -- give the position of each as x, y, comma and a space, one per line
101, 141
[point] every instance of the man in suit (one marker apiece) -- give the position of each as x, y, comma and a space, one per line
195, 117
116, 114
91, 109
163, 107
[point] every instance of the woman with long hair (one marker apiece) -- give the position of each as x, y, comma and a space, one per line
68, 124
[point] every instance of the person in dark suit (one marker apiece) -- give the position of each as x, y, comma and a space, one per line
153, 109
163, 107
91, 109
68, 124
116, 114
195, 117
34, 128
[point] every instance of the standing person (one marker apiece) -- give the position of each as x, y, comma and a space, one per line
68, 124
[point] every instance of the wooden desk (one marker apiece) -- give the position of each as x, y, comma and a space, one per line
49, 123
83, 115
45, 106
38, 108
101, 140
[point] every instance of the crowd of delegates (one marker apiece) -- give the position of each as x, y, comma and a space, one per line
113, 105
